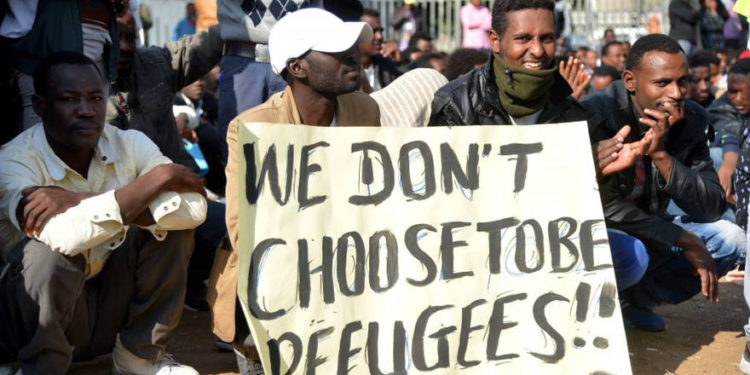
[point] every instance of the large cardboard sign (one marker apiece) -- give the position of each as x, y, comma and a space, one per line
464, 250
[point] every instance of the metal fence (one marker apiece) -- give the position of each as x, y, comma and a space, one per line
589, 18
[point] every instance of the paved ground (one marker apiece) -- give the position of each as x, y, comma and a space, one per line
701, 339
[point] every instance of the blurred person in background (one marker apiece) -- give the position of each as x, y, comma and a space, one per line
603, 76
613, 54
36, 32
464, 60
699, 79
683, 24
476, 22
712, 18
378, 71
186, 26
406, 21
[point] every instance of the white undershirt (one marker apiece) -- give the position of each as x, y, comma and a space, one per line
526, 120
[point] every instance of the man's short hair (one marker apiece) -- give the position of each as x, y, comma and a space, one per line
463, 60
742, 67
502, 7
607, 71
425, 61
371, 12
648, 43
583, 49
43, 71
419, 35
607, 46
347, 10
703, 58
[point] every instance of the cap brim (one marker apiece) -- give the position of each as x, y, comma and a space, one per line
342, 38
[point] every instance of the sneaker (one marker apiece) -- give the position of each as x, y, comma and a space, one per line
126, 363
638, 318
745, 360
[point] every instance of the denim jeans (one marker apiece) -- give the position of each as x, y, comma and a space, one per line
243, 84
669, 278
629, 257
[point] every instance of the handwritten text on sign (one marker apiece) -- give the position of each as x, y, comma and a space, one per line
392, 251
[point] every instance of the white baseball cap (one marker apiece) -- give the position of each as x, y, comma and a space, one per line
312, 29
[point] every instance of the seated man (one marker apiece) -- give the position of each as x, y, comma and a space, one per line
520, 83
379, 71
699, 73
317, 54
96, 228
651, 98
613, 54
729, 115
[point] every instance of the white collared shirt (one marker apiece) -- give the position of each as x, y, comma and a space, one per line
94, 227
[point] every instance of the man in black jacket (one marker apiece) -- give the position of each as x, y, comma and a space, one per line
520, 84
378, 71
651, 97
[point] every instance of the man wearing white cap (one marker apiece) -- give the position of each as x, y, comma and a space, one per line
317, 54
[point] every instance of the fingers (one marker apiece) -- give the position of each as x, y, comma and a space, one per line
674, 112
25, 192
623, 132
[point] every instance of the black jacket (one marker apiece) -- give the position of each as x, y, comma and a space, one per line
683, 20
693, 183
473, 100
386, 70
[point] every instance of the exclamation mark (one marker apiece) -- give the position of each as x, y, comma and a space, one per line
606, 309
582, 307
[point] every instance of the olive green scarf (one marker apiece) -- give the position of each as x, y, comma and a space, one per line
522, 91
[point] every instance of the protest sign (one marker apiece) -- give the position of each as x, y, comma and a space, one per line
466, 250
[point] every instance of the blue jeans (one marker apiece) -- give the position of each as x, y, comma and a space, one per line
669, 278
629, 257
243, 84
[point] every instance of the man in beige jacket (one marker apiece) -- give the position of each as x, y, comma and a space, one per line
318, 56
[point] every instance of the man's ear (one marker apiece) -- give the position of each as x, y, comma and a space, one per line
37, 102
628, 79
494, 41
297, 68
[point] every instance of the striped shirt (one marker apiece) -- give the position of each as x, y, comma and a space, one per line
406, 102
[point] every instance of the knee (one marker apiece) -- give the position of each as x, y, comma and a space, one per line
180, 244
37, 259
728, 240
629, 257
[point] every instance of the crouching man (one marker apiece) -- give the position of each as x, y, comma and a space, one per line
96, 232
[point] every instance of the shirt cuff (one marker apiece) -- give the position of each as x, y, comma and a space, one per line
165, 204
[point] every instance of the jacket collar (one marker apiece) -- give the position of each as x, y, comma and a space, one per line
104, 151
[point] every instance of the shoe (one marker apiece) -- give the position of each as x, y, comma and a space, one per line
247, 366
745, 360
638, 318
196, 304
224, 346
126, 363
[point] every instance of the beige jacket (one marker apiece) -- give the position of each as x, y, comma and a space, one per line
354, 109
